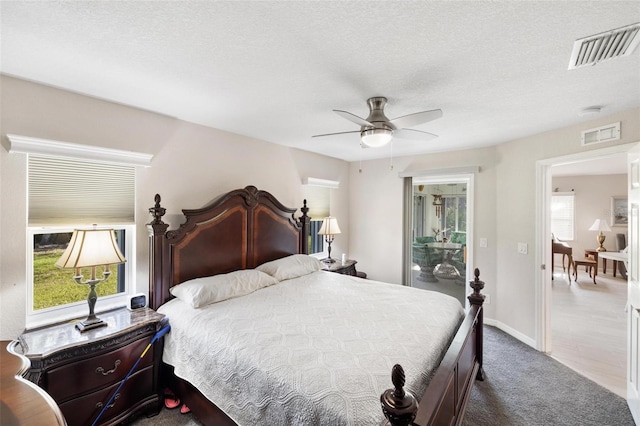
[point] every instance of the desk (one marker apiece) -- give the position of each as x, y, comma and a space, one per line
22, 402
615, 256
565, 249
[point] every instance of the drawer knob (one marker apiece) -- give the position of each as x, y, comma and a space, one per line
101, 370
115, 398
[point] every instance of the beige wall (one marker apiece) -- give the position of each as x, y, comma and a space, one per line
192, 164
505, 200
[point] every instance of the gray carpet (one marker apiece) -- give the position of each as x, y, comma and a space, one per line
522, 387
525, 387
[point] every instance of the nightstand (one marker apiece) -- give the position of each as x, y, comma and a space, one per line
82, 370
346, 268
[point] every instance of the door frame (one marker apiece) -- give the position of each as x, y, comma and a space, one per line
543, 234
435, 177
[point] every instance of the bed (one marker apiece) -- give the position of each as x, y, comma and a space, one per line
279, 341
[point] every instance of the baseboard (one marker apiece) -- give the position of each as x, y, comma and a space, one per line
512, 332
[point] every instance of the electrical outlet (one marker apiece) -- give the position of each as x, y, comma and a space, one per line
487, 299
483, 242
523, 248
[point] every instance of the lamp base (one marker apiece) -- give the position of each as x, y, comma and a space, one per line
329, 260
601, 238
90, 324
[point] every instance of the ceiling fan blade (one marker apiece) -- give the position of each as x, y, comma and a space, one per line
415, 135
334, 134
416, 118
353, 118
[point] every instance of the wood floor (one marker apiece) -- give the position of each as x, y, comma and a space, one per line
588, 324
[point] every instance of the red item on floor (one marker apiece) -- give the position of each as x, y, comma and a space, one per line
170, 399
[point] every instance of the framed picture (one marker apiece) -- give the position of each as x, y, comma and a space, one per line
619, 215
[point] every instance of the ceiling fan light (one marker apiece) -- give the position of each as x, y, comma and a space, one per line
376, 138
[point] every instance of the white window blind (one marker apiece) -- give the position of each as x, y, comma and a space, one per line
562, 216
66, 191
318, 201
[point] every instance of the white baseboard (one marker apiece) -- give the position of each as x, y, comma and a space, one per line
512, 332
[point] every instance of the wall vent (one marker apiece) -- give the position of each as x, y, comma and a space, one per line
608, 45
610, 132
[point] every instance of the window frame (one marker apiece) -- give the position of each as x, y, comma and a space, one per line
572, 195
46, 147
311, 188
37, 318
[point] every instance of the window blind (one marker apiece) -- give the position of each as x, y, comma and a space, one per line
66, 191
318, 201
562, 216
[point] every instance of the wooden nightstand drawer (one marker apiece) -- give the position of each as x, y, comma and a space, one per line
83, 410
95, 372
82, 370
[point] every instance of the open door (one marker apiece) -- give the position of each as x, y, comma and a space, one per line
633, 305
439, 233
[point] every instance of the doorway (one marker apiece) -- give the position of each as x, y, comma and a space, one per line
438, 233
562, 297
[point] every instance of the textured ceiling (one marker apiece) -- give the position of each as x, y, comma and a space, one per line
275, 70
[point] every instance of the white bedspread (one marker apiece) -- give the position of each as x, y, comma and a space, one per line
315, 350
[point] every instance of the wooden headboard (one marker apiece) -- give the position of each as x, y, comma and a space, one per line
238, 230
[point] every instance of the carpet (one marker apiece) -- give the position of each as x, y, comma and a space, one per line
525, 387
522, 387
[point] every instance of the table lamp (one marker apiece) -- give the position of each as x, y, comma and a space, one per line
600, 225
329, 228
90, 248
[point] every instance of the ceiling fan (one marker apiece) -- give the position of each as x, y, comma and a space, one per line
377, 130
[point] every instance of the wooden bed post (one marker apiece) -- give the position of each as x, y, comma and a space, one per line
477, 299
157, 229
304, 223
399, 407
446, 396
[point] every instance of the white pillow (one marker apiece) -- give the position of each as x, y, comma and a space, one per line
204, 291
293, 266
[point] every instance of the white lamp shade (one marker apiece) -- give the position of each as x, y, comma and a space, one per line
376, 138
329, 226
91, 247
600, 225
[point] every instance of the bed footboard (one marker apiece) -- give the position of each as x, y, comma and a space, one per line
445, 400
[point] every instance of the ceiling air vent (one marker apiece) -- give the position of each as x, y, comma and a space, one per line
610, 132
608, 45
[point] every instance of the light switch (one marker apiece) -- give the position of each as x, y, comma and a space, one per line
522, 248
483, 242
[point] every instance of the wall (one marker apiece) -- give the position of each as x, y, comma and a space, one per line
192, 164
505, 200
376, 211
592, 201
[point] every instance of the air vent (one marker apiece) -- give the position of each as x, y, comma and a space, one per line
610, 132
608, 45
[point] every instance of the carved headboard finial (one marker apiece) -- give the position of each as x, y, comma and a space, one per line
156, 211
399, 407
476, 298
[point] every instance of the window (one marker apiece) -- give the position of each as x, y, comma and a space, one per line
317, 192
562, 215
454, 214
54, 289
69, 187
